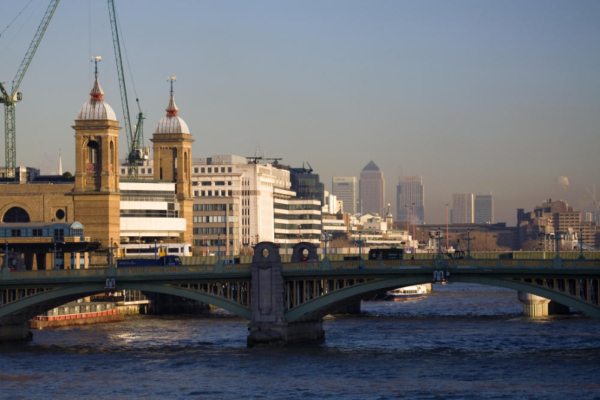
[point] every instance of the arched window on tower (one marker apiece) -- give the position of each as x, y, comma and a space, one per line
92, 157
174, 152
111, 160
185, 166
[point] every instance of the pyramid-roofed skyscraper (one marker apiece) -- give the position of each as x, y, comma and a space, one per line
372, 190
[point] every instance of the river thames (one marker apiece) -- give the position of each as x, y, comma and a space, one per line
460, 342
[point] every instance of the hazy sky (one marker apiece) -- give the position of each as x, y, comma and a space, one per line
474, 96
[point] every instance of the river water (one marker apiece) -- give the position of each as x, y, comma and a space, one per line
460, 342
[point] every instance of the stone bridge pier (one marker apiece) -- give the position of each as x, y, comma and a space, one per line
268, 325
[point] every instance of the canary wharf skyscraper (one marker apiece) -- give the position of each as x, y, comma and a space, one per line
372, 190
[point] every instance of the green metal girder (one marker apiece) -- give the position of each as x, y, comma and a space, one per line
387, 284
352, 291
191, 294
86, 290
561, 298
38, 298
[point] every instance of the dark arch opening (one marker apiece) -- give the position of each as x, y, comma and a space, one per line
112, 154
16, 214
92, 152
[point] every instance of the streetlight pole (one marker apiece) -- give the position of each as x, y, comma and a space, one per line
439, 238
111, 255
325, 240
55, 251
414, 228
407, 225
581, 257
359, 243
6, 255
469, 243
447, 228
219, 248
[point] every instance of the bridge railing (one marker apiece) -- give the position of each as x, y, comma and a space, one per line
428, 263
127, 271
221, 268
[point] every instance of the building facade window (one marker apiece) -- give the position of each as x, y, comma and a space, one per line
59, 235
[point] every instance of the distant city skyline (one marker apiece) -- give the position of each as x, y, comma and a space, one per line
472, 96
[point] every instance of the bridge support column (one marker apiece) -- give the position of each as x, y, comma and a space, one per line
19, 332
534, 306
268, 325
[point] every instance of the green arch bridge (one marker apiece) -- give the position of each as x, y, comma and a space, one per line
286, 302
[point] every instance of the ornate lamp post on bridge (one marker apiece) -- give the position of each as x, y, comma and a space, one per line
111, 254
325, 238
557, 237
469, 243
6, 255
55, 251
360, 242
447, 238
245, 243
581, 257
219, 247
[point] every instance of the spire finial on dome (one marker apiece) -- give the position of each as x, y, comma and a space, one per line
96, 93
172, 109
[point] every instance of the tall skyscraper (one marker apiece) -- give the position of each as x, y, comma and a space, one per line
346, 189
484, 209
372, 190
410, 190
462, 208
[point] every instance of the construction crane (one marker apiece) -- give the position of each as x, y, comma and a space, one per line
10, 99
135, 152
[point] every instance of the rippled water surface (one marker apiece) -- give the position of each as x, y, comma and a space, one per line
462, 341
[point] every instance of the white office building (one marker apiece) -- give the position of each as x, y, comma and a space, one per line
346, 190
149, 212
462, 209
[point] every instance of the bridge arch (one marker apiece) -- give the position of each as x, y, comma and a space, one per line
21, 311
321, 306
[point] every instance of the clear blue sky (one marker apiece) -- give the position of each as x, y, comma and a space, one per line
472, 95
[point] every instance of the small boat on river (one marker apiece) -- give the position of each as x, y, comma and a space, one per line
403, 294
